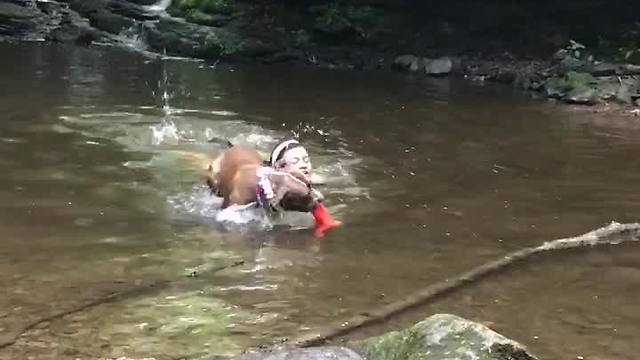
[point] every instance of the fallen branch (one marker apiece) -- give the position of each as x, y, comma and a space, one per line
615, 233
11, 339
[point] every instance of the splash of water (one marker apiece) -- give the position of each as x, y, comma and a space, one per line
164, 86
132, 38
166, 131
160, 6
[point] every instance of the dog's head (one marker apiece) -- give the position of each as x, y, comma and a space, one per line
293, 192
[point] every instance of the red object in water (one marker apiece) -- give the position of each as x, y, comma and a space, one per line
324, 221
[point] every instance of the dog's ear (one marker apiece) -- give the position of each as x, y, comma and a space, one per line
297, 202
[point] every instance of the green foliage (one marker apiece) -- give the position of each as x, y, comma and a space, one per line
339, 17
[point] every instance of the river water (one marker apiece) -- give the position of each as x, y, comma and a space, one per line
101, 193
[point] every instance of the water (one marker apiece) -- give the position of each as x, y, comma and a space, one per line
102, 193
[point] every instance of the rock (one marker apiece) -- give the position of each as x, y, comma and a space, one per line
408, 62
253, 47
605, 69
318, 353
288, 55
75, 28
48, 20
112, 23
199, 17
144, 2
131, 10
576, 83
440, 66
608, 88
441, 337
570, 63
581, 96
622, 89
199, 41
22, 21
633, 57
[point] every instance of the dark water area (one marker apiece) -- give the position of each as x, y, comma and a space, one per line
101, 193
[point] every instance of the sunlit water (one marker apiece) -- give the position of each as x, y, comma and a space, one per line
102, 192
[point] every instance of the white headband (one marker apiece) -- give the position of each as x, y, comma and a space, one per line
279, 149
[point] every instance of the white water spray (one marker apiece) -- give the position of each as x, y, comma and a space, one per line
160, 6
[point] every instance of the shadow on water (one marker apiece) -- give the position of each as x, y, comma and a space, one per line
431, 177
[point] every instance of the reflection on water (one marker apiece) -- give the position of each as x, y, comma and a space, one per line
103, 194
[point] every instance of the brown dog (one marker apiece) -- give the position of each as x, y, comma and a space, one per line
239, 177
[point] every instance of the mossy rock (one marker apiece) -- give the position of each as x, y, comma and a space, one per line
440, 337
572, 81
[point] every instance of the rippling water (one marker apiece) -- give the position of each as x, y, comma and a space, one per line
101, 193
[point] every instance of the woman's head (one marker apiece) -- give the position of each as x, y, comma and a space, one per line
290, 156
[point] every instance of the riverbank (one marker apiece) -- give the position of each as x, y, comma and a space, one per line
356, 35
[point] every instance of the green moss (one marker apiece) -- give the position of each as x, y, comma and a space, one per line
397, 345
571, 81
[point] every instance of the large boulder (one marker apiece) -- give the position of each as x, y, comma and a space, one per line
23, 21
438, 67
50, 20
408, 62
186, 39
572, 82
318, 353
439, 337
443, 337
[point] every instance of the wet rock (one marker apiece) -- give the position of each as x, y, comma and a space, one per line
287, 55
112, 23
51, 20
575, 85
633, 57
22, 21
441, 337
622, 89
74, 28
144, 2
187, 39
408, 62
581, 96
131, 10
199, 17
605, 69
318, 353
438, 67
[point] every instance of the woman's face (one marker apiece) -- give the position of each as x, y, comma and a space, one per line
296, 159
